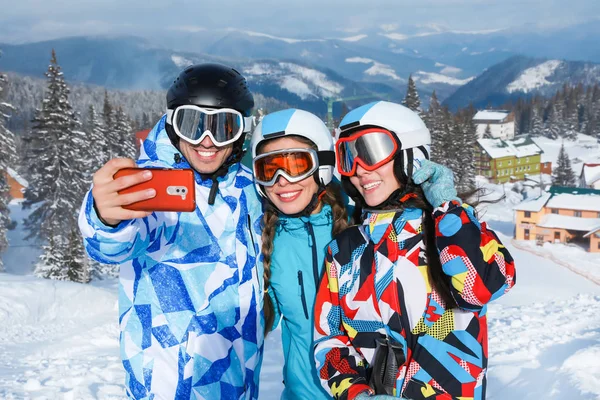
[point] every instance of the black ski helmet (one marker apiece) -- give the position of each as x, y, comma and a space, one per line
211, 85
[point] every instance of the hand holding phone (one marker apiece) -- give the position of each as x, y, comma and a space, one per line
111, 204
174, 188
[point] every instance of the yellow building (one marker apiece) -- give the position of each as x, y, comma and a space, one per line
507, 160
561, 215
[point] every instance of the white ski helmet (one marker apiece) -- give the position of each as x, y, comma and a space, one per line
293, 122
414, 139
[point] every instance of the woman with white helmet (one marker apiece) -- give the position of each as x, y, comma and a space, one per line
401, 309
293, 160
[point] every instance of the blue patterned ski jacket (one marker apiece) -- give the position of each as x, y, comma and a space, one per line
190, 292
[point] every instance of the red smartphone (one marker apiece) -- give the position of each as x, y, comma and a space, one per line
175, 189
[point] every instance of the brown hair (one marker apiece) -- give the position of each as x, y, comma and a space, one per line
332, 196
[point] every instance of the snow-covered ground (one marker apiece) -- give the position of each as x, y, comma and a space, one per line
58, 340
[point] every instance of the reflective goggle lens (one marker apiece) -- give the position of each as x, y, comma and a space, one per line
224, 126
294, 164
371, 147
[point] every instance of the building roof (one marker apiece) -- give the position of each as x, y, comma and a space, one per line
491, 115
570, 198
573, 190
520, 147
590, 173
568, 222
13, 174
592, 231
581, 202
534, 205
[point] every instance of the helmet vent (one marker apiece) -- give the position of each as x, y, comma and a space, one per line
235, 70
187, 71
222, 83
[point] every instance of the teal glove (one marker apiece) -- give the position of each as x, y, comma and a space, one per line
367, 396
437, 183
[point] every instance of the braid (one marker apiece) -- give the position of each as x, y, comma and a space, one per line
270, 219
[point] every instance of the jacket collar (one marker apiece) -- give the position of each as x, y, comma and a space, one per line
323, 217
406, 223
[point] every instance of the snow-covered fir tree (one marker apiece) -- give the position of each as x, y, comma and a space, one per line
466, 155
571, 123
536, 125
434, 119
56, 165
563, 173
552, 129
97, 144
487, 134
125, 146
7, 160
411, 99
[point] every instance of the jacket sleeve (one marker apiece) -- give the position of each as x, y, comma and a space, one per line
112, 245
480, 267
341, 368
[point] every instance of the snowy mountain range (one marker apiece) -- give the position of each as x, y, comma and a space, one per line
521, 76
304, 71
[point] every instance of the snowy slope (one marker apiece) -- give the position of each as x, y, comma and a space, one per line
58, 340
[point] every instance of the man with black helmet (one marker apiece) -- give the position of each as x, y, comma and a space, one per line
190, 293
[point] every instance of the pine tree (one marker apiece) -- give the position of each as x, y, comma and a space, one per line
563, 173
411, 100
487, 134
146, 123
7, 159
571, 122
56, 174
125, 145
107, 111
97, 144
434, 119
552, 129
536, 124
466, 171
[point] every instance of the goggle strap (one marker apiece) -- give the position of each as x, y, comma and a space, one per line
326, 157
409, 163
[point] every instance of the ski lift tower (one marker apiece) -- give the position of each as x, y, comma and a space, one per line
331, 100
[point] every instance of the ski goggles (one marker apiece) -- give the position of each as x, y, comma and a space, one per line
193, 124
369, 148
293, 164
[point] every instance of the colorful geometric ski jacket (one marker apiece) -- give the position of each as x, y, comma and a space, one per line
376, 285
190, 292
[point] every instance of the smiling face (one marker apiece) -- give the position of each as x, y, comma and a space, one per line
290, 198
375, 186
205, 157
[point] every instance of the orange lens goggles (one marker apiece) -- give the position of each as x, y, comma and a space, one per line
293, 164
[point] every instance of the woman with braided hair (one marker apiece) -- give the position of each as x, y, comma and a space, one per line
293, 158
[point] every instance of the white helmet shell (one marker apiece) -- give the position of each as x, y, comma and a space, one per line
293, 122
408, 127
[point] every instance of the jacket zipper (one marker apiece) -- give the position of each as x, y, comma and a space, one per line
312, 244
302, 295
251, 236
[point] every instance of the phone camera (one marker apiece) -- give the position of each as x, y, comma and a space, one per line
177, 190
182, 190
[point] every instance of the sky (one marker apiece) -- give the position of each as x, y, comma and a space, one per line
36, 20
